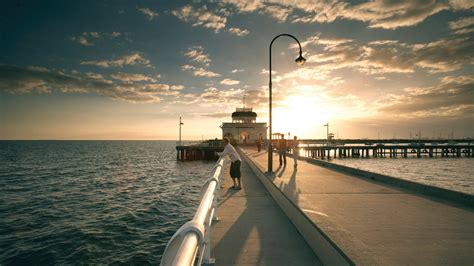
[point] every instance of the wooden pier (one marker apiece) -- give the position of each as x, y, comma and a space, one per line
199, 151
392, 151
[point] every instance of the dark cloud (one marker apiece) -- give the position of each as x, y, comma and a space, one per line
88, 38
452, 97
378, 14
16, 80
126, 60
390, 56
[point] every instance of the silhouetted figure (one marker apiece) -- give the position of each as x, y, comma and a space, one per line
294, 147
259, 143
282, 147
235, 163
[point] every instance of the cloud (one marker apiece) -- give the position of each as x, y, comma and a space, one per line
451, 97
257, 97
115, 34
201, 17
280, 13
390, 56
237, 70
199, 71
214, 96
20, 80
378, 14
265, 71
161, 89
444, 55
88, 38
217, 115
461, 4
197, 54
317, 39
229, 82
91, 75
394, 14
132, 59
463, 25
238, 32
127, 77
187, 67
245, 6
148, 12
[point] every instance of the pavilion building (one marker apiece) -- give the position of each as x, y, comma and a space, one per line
244, 128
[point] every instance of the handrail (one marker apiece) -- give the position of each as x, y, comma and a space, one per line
192, 240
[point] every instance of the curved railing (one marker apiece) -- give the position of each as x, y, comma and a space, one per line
191, 244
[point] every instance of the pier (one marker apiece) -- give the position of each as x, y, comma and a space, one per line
347, 148
230, 227
199, 150
253, 230
317, 215
391, 151
349, 219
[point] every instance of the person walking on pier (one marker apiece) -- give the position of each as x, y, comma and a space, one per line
259, 143
235, 163
294, 147
282, 147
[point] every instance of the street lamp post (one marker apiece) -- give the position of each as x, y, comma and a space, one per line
300, 61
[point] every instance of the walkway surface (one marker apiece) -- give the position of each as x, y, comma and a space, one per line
253, 230
373, 223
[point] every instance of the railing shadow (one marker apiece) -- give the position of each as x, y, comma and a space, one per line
250, 229
257, 231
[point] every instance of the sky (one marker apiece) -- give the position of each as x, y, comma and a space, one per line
129, 69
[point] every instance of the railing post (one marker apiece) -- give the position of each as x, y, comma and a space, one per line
207, 244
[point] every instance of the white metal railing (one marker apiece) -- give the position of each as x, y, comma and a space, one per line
191, 243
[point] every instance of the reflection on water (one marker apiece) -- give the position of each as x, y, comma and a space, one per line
93, 202
451, 173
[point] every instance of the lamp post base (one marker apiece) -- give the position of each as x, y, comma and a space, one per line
270, 158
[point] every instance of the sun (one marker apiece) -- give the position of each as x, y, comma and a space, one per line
301, 115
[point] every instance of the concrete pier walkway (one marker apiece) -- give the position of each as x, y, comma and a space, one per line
253, 230
370, 223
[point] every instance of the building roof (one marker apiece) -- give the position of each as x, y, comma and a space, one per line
246, 125
244, 114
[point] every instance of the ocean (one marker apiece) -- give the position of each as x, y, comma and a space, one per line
450, 173
93, 202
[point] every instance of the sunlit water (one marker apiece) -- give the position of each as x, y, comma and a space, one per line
451, 173
93, 202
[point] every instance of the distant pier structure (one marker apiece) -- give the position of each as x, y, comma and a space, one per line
387, 148
199, 151
244, 128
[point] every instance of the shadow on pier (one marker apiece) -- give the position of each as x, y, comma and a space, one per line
368, 222
253, 230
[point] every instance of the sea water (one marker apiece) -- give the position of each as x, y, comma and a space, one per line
451, 173
93, 202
